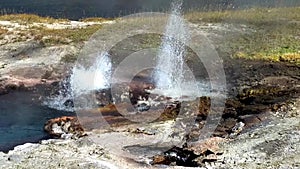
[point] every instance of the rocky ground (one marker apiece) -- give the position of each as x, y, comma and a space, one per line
272, 144
259, 127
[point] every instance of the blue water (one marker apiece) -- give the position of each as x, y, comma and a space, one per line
22, 118
76, 9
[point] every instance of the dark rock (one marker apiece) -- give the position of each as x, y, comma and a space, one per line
229, 112
192, 155
210, 158
142, 107
176, 156
204, 107
69, 103
104, 97
253, 109
10, 86
233, 103
229, 123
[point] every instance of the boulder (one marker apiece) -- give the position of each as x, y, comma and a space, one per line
62, 127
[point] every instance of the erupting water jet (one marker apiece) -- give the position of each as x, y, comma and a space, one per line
80, 83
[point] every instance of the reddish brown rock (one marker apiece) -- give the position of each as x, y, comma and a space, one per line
64, 125
208, 146
160, 159
251, 120
204, 107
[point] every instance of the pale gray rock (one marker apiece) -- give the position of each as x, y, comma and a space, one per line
275, 144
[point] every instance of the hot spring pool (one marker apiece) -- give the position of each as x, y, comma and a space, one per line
22, 118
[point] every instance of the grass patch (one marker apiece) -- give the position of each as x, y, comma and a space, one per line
272, 43
29, 18
64, 36
255, 16
276, 36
